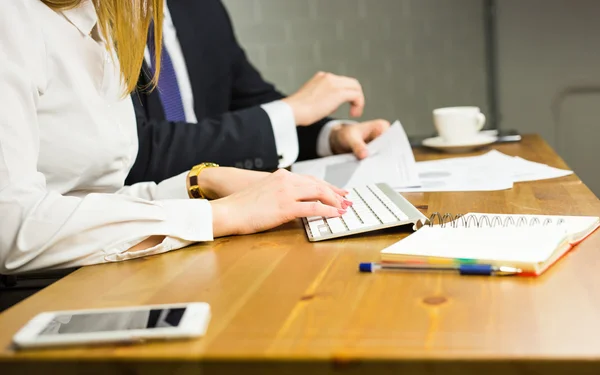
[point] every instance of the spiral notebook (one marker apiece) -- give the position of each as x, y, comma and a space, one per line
531, 243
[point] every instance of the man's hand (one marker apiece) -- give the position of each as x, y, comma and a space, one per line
354, 138
322, 95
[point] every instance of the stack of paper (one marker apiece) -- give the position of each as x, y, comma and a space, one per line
491, 171
524, 170
392, 161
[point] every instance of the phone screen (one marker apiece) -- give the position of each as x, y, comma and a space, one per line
504, 136
113, 321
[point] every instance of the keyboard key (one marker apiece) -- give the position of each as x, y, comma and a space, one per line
387, 217
324, 229
314, 227
353, 197
351, 219
336, 225
382, 212
365, 194
388, 202
368, 218
365, 215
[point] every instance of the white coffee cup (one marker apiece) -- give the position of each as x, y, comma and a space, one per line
458, 124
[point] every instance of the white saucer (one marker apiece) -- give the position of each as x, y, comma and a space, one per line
474, 143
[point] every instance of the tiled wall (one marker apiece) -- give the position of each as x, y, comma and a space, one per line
410, 55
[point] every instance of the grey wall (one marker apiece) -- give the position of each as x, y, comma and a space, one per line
410, 55
549, 76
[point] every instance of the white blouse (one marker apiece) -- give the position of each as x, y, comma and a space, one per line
68, 139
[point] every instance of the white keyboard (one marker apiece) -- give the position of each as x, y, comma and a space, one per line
374, 207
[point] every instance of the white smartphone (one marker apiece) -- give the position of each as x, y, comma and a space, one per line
115, 325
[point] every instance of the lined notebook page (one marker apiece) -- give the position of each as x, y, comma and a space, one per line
513, 244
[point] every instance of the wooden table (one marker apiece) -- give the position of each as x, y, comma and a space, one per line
283, 305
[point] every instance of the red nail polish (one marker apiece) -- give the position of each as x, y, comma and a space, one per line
347, 202
341, 211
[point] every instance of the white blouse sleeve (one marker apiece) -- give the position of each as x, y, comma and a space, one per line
172, 188
42, 229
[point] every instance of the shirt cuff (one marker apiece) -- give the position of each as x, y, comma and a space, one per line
187, 222
283, 123
323, 144
173, 188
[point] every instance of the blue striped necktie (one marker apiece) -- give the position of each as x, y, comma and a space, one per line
168, 88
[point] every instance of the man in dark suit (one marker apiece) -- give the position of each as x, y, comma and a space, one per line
212, 105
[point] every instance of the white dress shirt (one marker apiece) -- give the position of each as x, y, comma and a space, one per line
280, 113
68, 139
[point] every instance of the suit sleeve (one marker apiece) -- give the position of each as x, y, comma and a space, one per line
170, 148
250, 89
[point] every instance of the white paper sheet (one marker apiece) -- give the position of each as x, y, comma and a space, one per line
460, 174
519, 169
530, 171
491, 171
390, 160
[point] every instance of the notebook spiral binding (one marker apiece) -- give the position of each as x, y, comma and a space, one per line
472, 221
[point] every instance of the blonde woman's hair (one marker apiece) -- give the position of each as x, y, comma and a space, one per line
126, 24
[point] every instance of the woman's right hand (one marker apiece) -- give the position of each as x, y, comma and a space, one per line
276, 199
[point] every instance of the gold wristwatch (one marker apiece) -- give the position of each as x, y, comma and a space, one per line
194, 190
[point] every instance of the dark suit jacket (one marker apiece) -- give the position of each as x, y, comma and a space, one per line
232, 129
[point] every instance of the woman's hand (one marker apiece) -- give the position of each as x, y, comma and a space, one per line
274, 200
223, 181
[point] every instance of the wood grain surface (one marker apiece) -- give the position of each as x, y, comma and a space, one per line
283, 305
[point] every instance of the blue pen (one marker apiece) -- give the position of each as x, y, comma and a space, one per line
463, 269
